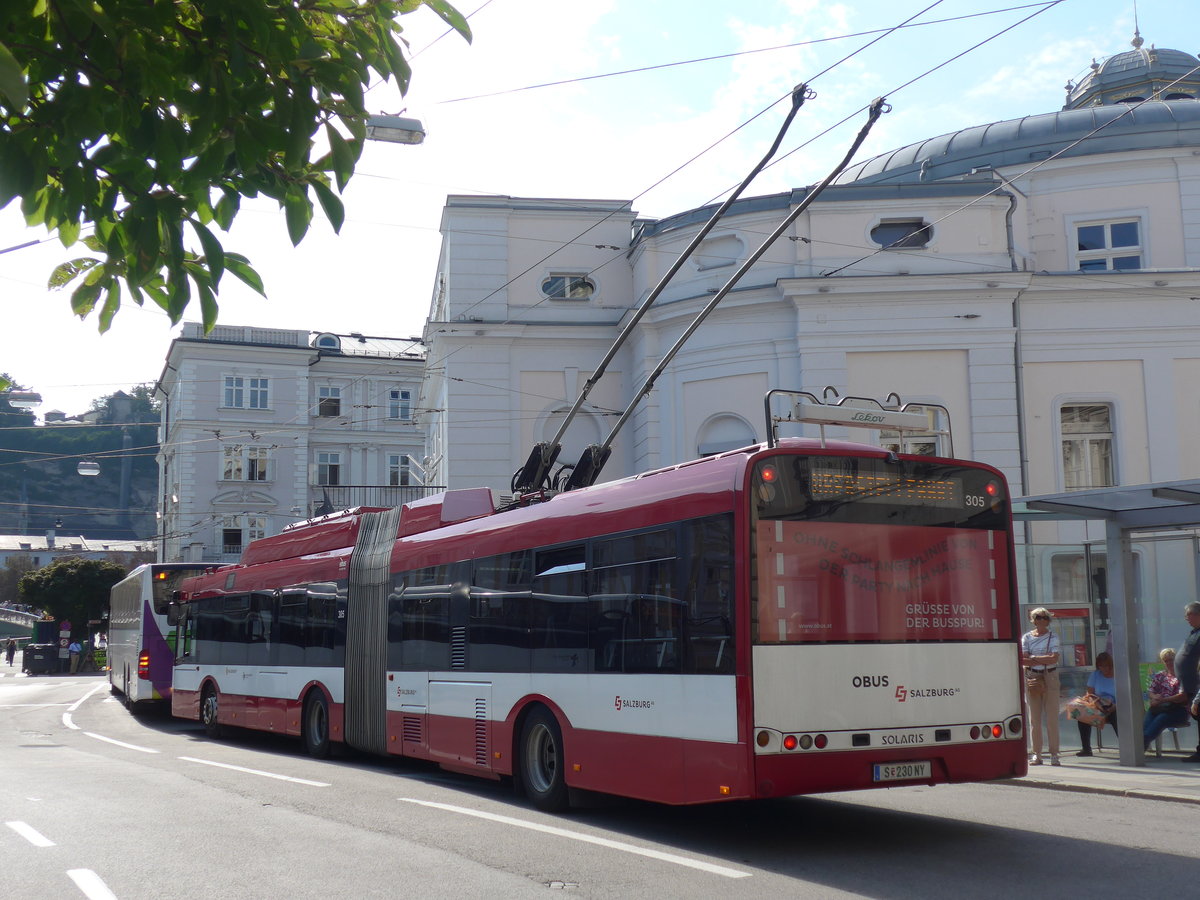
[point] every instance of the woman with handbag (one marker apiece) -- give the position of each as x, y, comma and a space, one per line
1100, 684
1168, 702
1040, 651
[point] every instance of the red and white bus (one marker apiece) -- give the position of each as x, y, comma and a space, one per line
789, 618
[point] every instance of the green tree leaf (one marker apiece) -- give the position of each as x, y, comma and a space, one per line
241, 269
124, 119
214, 253
297, 208
335, 211
13, 88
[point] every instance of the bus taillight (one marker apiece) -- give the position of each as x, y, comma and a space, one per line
789, 742
997, 731
144, 664
820, 741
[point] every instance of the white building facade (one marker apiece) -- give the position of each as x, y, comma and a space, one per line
265, 427
1038, 277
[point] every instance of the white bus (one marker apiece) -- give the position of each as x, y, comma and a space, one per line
140, 645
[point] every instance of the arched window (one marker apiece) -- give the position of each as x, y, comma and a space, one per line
722, 432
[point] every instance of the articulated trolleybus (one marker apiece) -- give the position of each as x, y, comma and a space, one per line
140, 654
799, 616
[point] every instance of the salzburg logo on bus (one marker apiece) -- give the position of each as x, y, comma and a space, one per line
903, 693
626, 703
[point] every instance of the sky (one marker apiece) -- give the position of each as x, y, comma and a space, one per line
491, 131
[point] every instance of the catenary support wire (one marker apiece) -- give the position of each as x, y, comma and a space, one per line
592, 461
532, 476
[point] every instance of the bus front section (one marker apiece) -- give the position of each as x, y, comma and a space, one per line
883, 623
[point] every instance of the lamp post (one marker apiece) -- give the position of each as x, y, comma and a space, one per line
22, 399
395, 129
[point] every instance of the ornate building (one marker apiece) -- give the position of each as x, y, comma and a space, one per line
1039, 277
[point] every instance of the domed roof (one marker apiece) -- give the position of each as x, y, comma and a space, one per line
1024, 141
1136, 75
1164, 85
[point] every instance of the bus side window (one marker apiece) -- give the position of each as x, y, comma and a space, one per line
208, 617
498, 623
637, 619
710, 647
235, 619
424, 632
558, 619
322, 626
293, 617
185, 628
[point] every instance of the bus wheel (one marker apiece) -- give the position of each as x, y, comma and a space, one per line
208, 712
542, 775
316, 725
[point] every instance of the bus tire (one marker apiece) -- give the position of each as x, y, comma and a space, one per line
209, 711
542, 769
316, 725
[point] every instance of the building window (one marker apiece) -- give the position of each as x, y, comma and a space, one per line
329, 401
329, 468
399, 404
399, 470
245, 393
1087, 446
902, 234
568, 286
257, 391
238, 531
1108, 246
245, 463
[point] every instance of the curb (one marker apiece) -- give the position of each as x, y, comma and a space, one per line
1076, 787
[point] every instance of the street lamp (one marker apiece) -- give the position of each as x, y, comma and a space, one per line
88, 467
395, 129
22, 399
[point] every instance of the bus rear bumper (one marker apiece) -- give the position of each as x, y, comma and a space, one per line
787, 774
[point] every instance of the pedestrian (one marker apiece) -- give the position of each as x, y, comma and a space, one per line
74, 650
1187, 666
10, 650
1100, 684
1040, 651
1168, 702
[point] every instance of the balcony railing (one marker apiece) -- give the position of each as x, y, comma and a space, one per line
348, 496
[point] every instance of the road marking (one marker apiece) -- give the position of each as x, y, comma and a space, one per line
66, 717
209, 762
109, 740
588, 839
91, 884
28, 705
34, 837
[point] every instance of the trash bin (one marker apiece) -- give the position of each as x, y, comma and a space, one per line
40, 659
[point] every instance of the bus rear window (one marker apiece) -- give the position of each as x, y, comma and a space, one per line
885, 552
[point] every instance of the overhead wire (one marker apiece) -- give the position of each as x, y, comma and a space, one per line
735, 54
675, 171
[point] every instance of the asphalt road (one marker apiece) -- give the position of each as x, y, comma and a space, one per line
97, 803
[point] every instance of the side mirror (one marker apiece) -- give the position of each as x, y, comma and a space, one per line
174, 613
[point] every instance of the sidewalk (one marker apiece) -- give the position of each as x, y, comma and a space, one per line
1165, 778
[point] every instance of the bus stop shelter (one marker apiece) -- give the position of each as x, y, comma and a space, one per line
1125, 510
